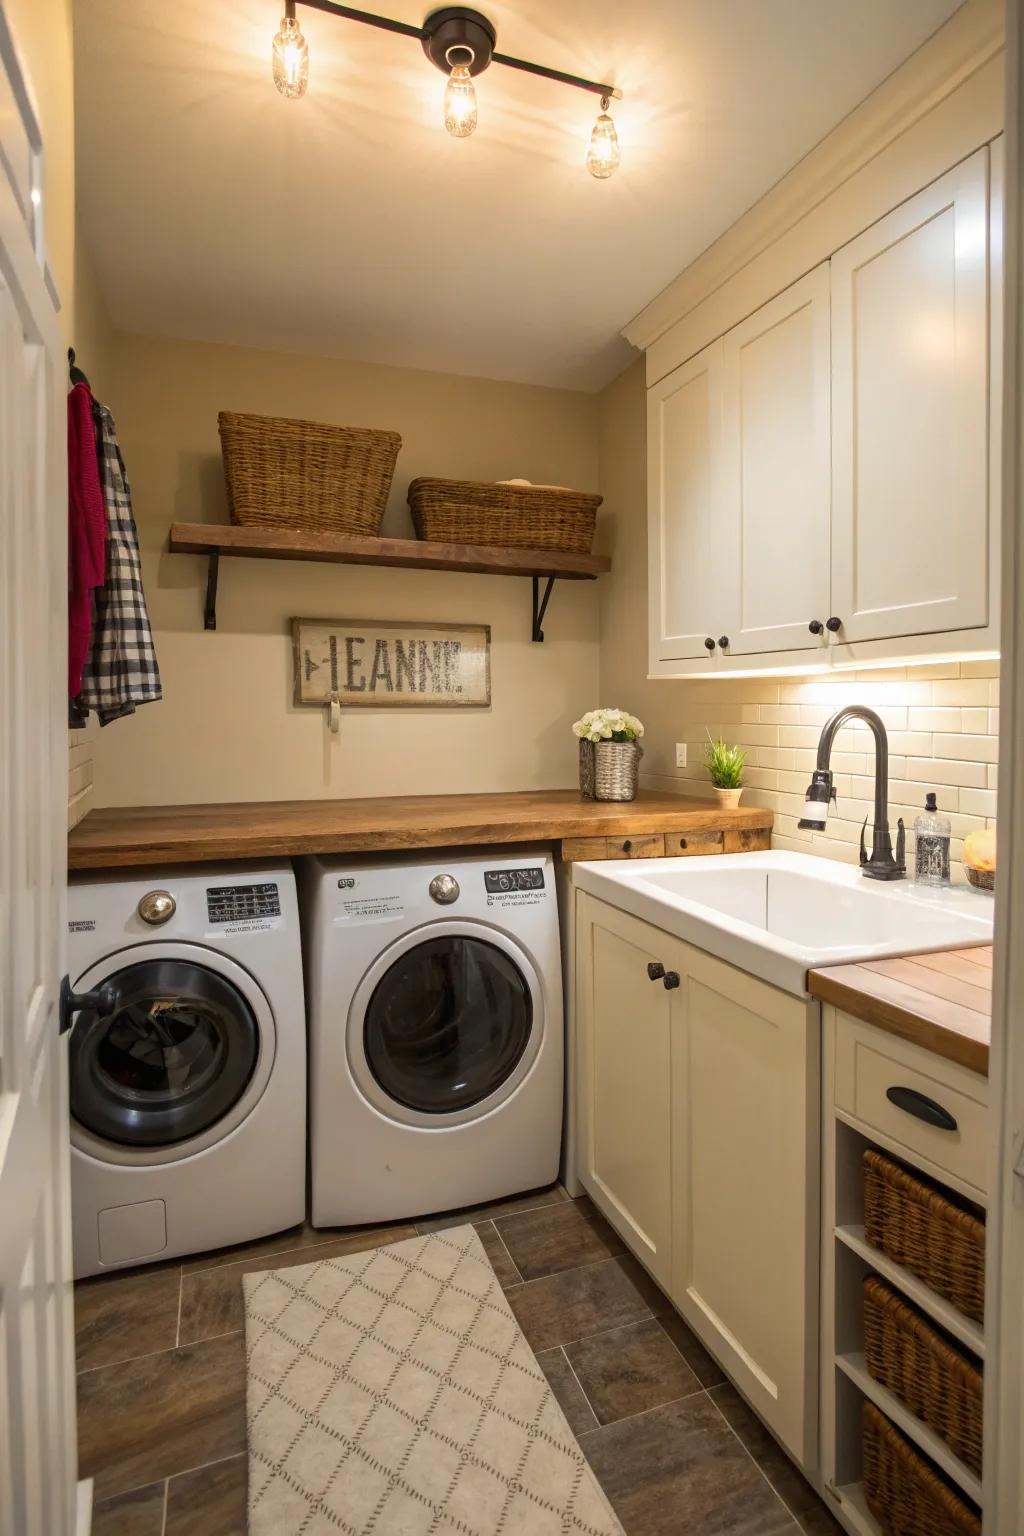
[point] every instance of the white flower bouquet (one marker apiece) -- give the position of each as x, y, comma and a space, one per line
610, 754
608, 725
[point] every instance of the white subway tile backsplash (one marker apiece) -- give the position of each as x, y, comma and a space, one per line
942, 721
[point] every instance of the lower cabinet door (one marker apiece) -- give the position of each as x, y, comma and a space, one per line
745, 1180
625, 1083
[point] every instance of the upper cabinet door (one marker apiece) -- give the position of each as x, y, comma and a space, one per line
685, 534
777, 471
910, 368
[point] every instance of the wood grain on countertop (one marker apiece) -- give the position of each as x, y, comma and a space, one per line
183, 834
942, 1001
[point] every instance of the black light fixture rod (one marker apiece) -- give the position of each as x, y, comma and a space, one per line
385, 24
368, 18
555, 74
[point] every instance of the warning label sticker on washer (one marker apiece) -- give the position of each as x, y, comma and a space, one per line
82, 925
369, 909
514, 887
244, 908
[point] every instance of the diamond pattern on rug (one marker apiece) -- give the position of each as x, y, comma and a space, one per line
393, 1393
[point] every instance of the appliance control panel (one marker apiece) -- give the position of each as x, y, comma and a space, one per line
242, 903
499, 882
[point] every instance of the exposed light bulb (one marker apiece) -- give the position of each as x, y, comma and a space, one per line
603, 154
291, 57
460, 115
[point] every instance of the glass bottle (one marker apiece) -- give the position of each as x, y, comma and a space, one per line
932, 831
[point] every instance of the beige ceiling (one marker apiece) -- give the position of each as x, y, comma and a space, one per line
350, 224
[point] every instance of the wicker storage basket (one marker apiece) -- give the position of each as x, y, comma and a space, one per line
940, 1384
982, 879
906, 1495
516, 516
306, 474
915, 1224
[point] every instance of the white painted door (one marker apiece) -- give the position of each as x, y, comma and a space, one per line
685, 537
37, 1423
623, 1022
745, 1180
910, 425
777, 471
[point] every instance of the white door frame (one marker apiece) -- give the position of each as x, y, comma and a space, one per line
38, 1455
1004, 1301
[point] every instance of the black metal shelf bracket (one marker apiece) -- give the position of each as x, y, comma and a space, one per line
540, 605
212, 572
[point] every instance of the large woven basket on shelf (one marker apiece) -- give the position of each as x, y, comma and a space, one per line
516, 516
306, 474
906, 1495
939, 1383
915, 1224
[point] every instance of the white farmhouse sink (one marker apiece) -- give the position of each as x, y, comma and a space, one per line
779, 915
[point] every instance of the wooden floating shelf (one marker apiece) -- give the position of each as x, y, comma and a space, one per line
216, 539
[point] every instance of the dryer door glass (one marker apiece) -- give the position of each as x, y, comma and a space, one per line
172, 1059
447, 1024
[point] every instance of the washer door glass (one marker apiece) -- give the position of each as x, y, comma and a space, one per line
447, 1024
172, 1059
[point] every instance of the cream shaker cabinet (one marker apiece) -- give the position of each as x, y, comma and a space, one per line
739, 488
775, 475
910, 402
688, 547
824, 477
624, 1091
699, 1126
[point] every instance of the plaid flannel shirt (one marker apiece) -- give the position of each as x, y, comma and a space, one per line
121, 671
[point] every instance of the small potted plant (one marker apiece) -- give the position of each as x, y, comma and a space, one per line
610, 754
725, 765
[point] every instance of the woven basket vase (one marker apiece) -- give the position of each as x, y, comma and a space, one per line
306, 475
616, 770
513, 516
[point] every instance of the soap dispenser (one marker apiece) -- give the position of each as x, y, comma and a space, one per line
932, 832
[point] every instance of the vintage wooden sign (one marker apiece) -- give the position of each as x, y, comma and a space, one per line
380, 663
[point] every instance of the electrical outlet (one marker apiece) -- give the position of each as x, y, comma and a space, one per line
680, 754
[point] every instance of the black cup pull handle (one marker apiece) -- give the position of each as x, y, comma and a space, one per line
922, 1107
655, 970
671, 981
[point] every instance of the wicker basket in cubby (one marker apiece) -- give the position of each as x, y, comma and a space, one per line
937, 1381
904, 1492
917, 1224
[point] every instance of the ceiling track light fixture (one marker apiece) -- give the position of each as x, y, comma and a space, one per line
461, 43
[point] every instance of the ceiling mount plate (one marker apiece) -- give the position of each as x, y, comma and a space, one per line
456, 35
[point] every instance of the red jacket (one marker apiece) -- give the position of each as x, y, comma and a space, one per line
87, 531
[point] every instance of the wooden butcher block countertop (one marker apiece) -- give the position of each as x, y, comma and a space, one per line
942, 1001
653, 825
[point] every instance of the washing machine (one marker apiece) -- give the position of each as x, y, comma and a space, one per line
436, 1032
188, 1077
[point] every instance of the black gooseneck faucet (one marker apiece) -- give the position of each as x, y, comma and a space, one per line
881, 863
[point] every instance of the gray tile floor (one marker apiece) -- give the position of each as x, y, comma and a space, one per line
161, 1383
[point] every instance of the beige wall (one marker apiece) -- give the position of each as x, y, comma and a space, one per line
227, 728
942, 719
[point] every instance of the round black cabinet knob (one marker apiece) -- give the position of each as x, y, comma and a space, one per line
833, 624
627, 845
724, 641
816, 626
671, 981
655, 970
709, 643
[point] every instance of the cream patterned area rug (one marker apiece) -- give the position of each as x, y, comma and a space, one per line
392, 1393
